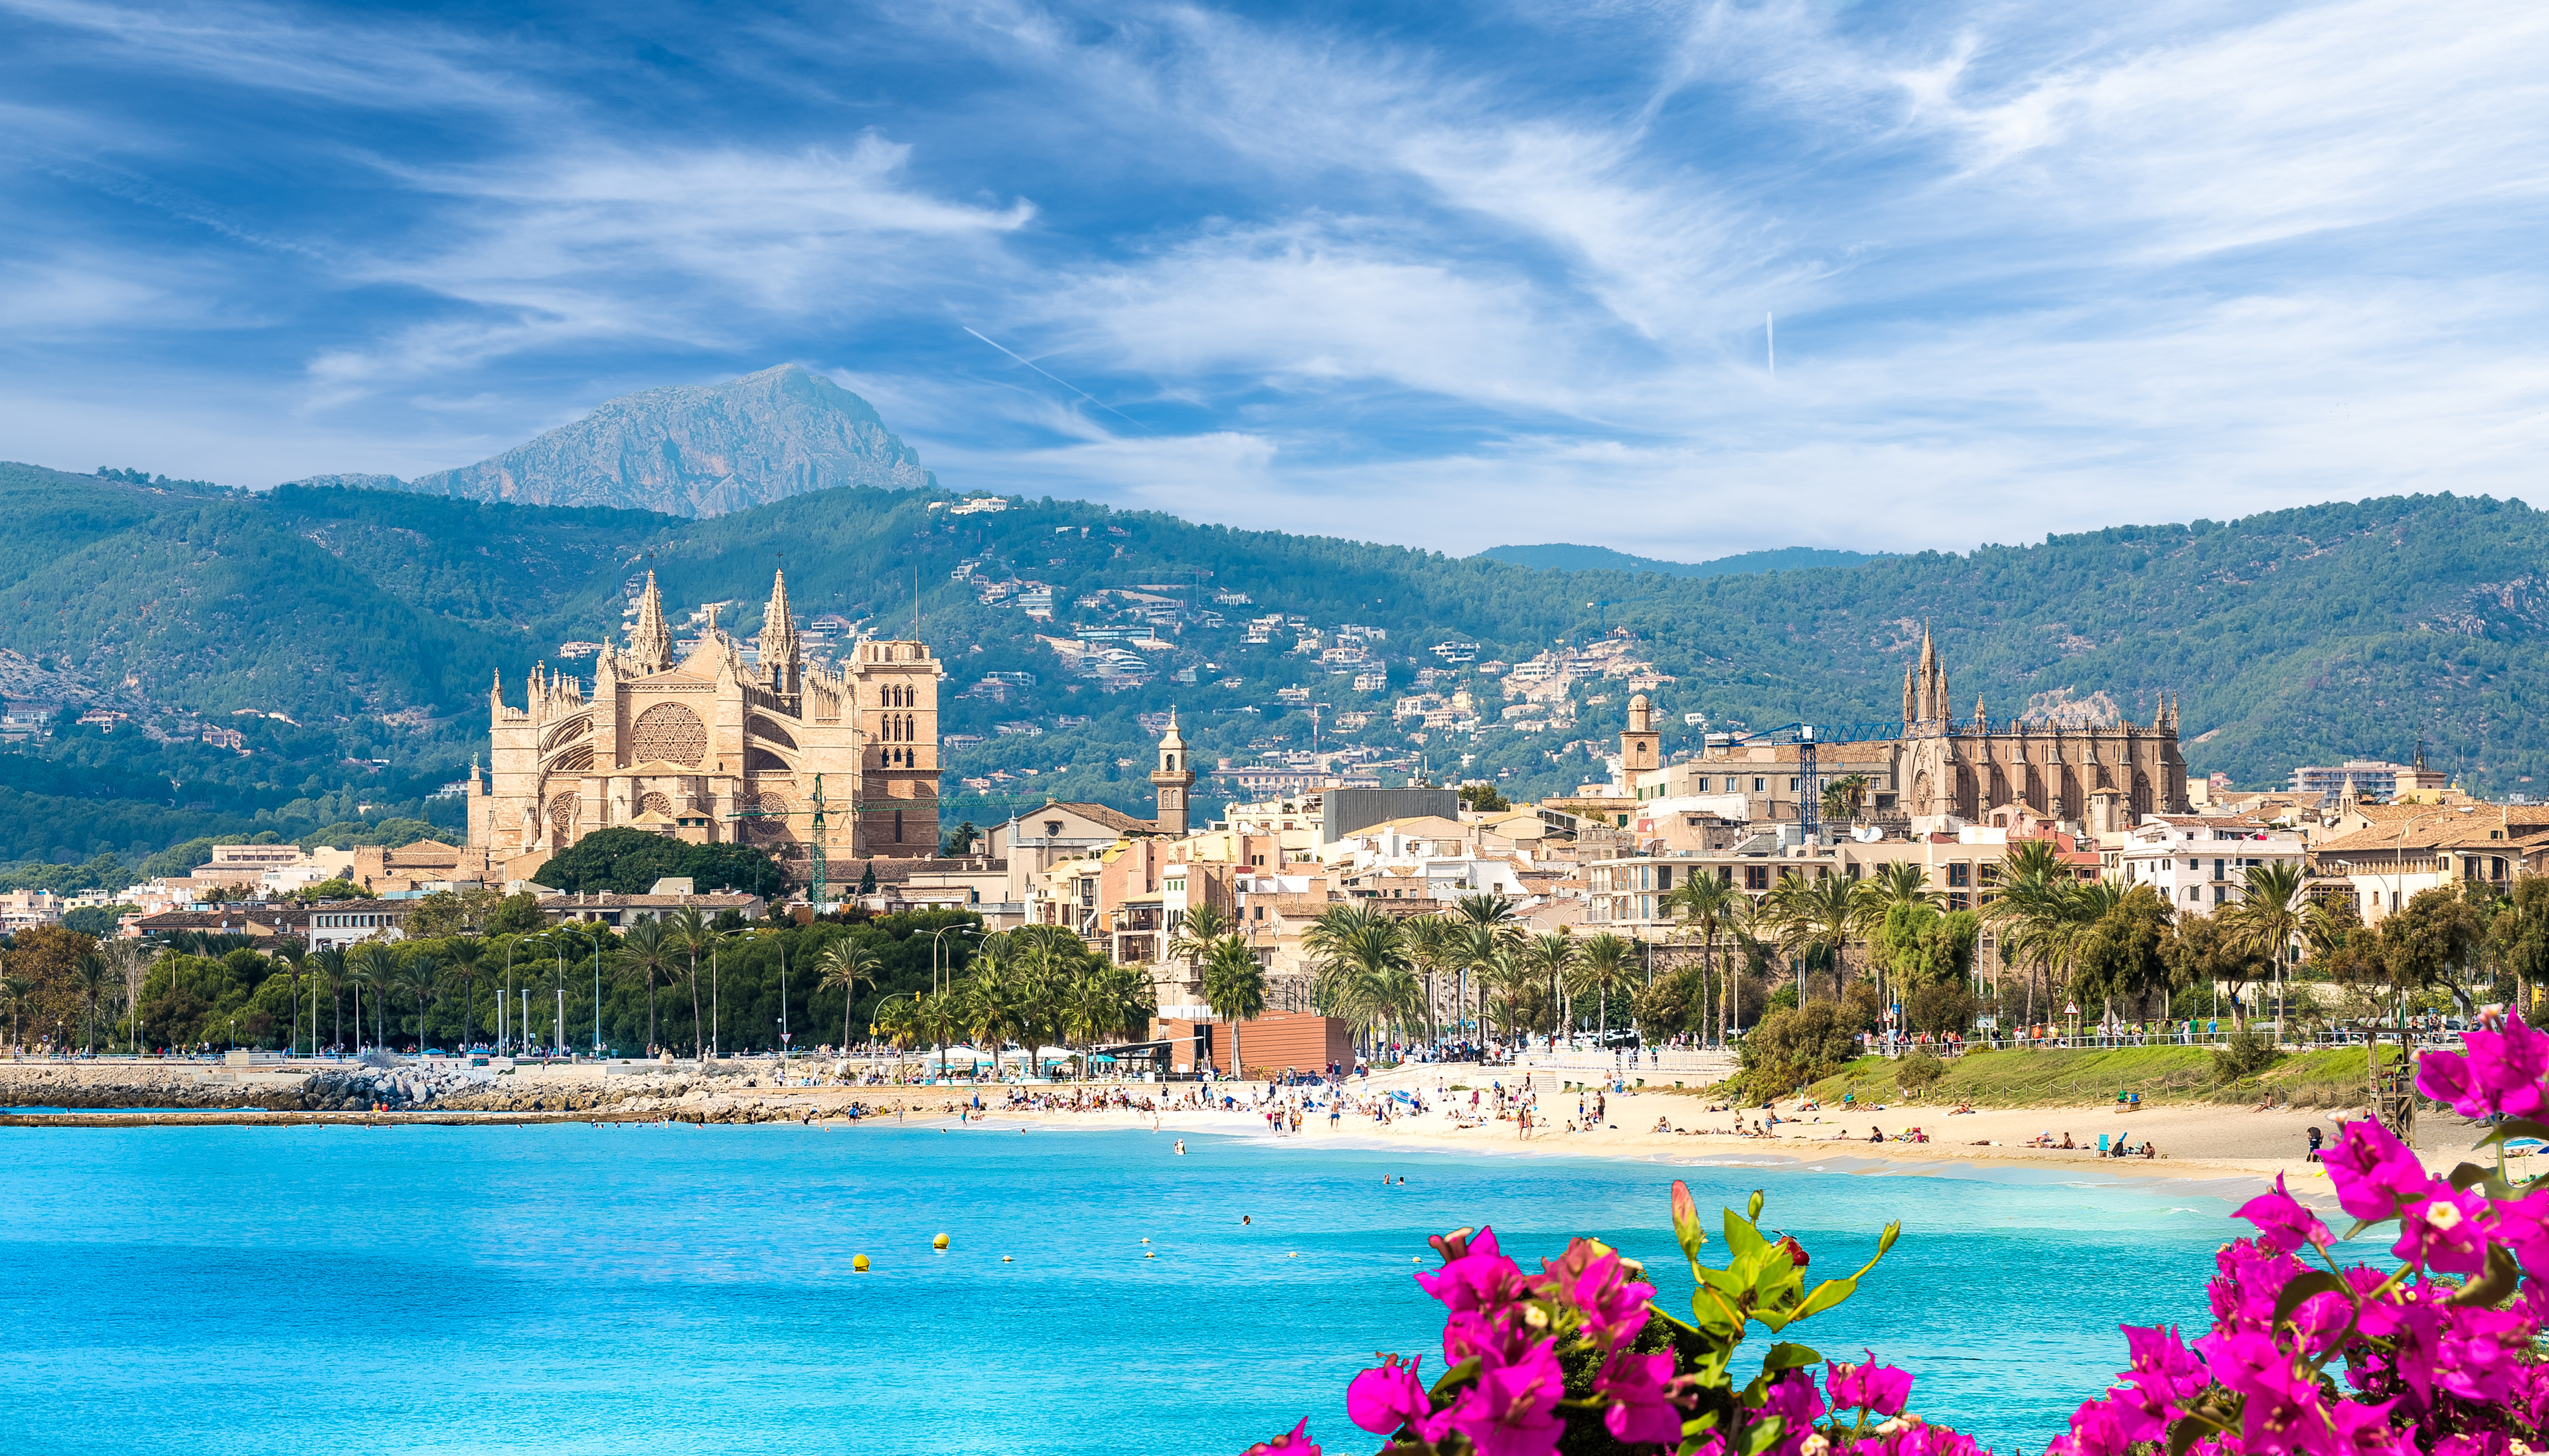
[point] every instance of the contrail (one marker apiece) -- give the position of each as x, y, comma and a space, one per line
1056, 378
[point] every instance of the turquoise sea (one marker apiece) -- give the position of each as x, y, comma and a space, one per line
570, 1289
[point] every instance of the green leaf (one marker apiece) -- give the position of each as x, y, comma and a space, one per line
2362, 1226
2317, 1281
1741, 1238
1763, 1434
1753, 1210
2466, 1177
1784, 1357
1885, 1240
1453, 1378
2512, 1127
2494, 1284
2183, 1435
1827, 1294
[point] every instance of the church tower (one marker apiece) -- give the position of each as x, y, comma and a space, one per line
651, 643
1173, 779
783, 659
1640, 746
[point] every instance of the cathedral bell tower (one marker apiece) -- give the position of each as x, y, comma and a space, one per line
1173, 779
1640, 746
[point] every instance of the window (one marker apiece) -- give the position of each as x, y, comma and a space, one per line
1960, 876
2221, 893
1792, 785
1053, 829
1663, 875
1261, 912
1757, 876
2194, 894
1958, 900
1758, 785
2218, 870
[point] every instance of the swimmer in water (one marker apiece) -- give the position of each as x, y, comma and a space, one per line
1181, 1147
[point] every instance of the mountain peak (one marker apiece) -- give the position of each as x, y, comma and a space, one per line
700, 450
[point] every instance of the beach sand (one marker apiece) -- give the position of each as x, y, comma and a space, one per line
2231, 1146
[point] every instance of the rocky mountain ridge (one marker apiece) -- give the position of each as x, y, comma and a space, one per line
692, 450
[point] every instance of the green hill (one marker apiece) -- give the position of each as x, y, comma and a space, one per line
374, 621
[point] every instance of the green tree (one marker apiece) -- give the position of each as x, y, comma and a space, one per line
844, 965
648, 953
1234, 986
1703, 903
2425, 944
1604, 966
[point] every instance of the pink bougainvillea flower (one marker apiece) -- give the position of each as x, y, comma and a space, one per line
2372, 1170
1480, 1280
2100, 1428
1795, 1400
1869, 1385
2446, 1233
2522, 1225
2163, 1374
1390, 1396
2251, 1278
2283, 1225
2500, 1074
2281, 1410
2480, 1352
1613, 1307
2377, 1316
2364, 1431
1293, 1442
1641, 1389
1511, 1410
1498, 1339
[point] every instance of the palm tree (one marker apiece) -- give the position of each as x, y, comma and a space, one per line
1197, 930
14, 989
1234, 986
370, 967
463, 953
293, 953
689, 931
328, 967
1603, 964
1703, 903
1842, 796
647, 949
91, 975
847, 963
1550, 956
2272, 911
1375, 970
419, 975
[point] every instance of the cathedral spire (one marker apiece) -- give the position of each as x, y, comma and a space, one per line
651, 643
782, 661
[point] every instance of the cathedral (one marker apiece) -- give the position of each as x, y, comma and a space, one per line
717, 747
2103, 777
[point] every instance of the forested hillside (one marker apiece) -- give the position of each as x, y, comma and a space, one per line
372, 622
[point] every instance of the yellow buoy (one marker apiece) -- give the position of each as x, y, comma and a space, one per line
1146, 1240
939, 1243
1004, 1258
860, 1263
1146, 1253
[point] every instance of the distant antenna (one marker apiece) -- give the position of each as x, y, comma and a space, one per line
1770, 340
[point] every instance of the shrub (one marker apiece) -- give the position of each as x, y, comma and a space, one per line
1916, 1070
1796, 1046
2247, 1053
1941, 1009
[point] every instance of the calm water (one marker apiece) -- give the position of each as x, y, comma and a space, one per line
572, 1290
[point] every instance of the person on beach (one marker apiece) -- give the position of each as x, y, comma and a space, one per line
2316, 1137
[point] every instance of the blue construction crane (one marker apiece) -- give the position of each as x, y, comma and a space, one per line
1806, 736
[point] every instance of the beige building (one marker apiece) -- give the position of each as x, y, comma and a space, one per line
2103, 777
717, 749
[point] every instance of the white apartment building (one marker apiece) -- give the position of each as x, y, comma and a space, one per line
2198, 863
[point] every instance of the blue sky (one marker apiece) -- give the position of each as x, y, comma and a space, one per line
1449, 276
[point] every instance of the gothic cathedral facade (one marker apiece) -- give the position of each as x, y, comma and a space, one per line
713, 748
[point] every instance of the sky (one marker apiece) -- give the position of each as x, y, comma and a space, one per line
1451, 275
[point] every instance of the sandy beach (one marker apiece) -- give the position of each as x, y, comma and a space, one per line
2229, 1147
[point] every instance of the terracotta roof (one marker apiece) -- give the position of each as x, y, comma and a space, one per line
2454, 833
1099, 814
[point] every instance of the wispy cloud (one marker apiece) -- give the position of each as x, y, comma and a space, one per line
2034, 269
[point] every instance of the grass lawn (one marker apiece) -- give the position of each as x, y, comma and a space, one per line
2331, 1078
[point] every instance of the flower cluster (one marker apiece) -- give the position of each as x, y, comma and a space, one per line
2437, 1357
1579, 1350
